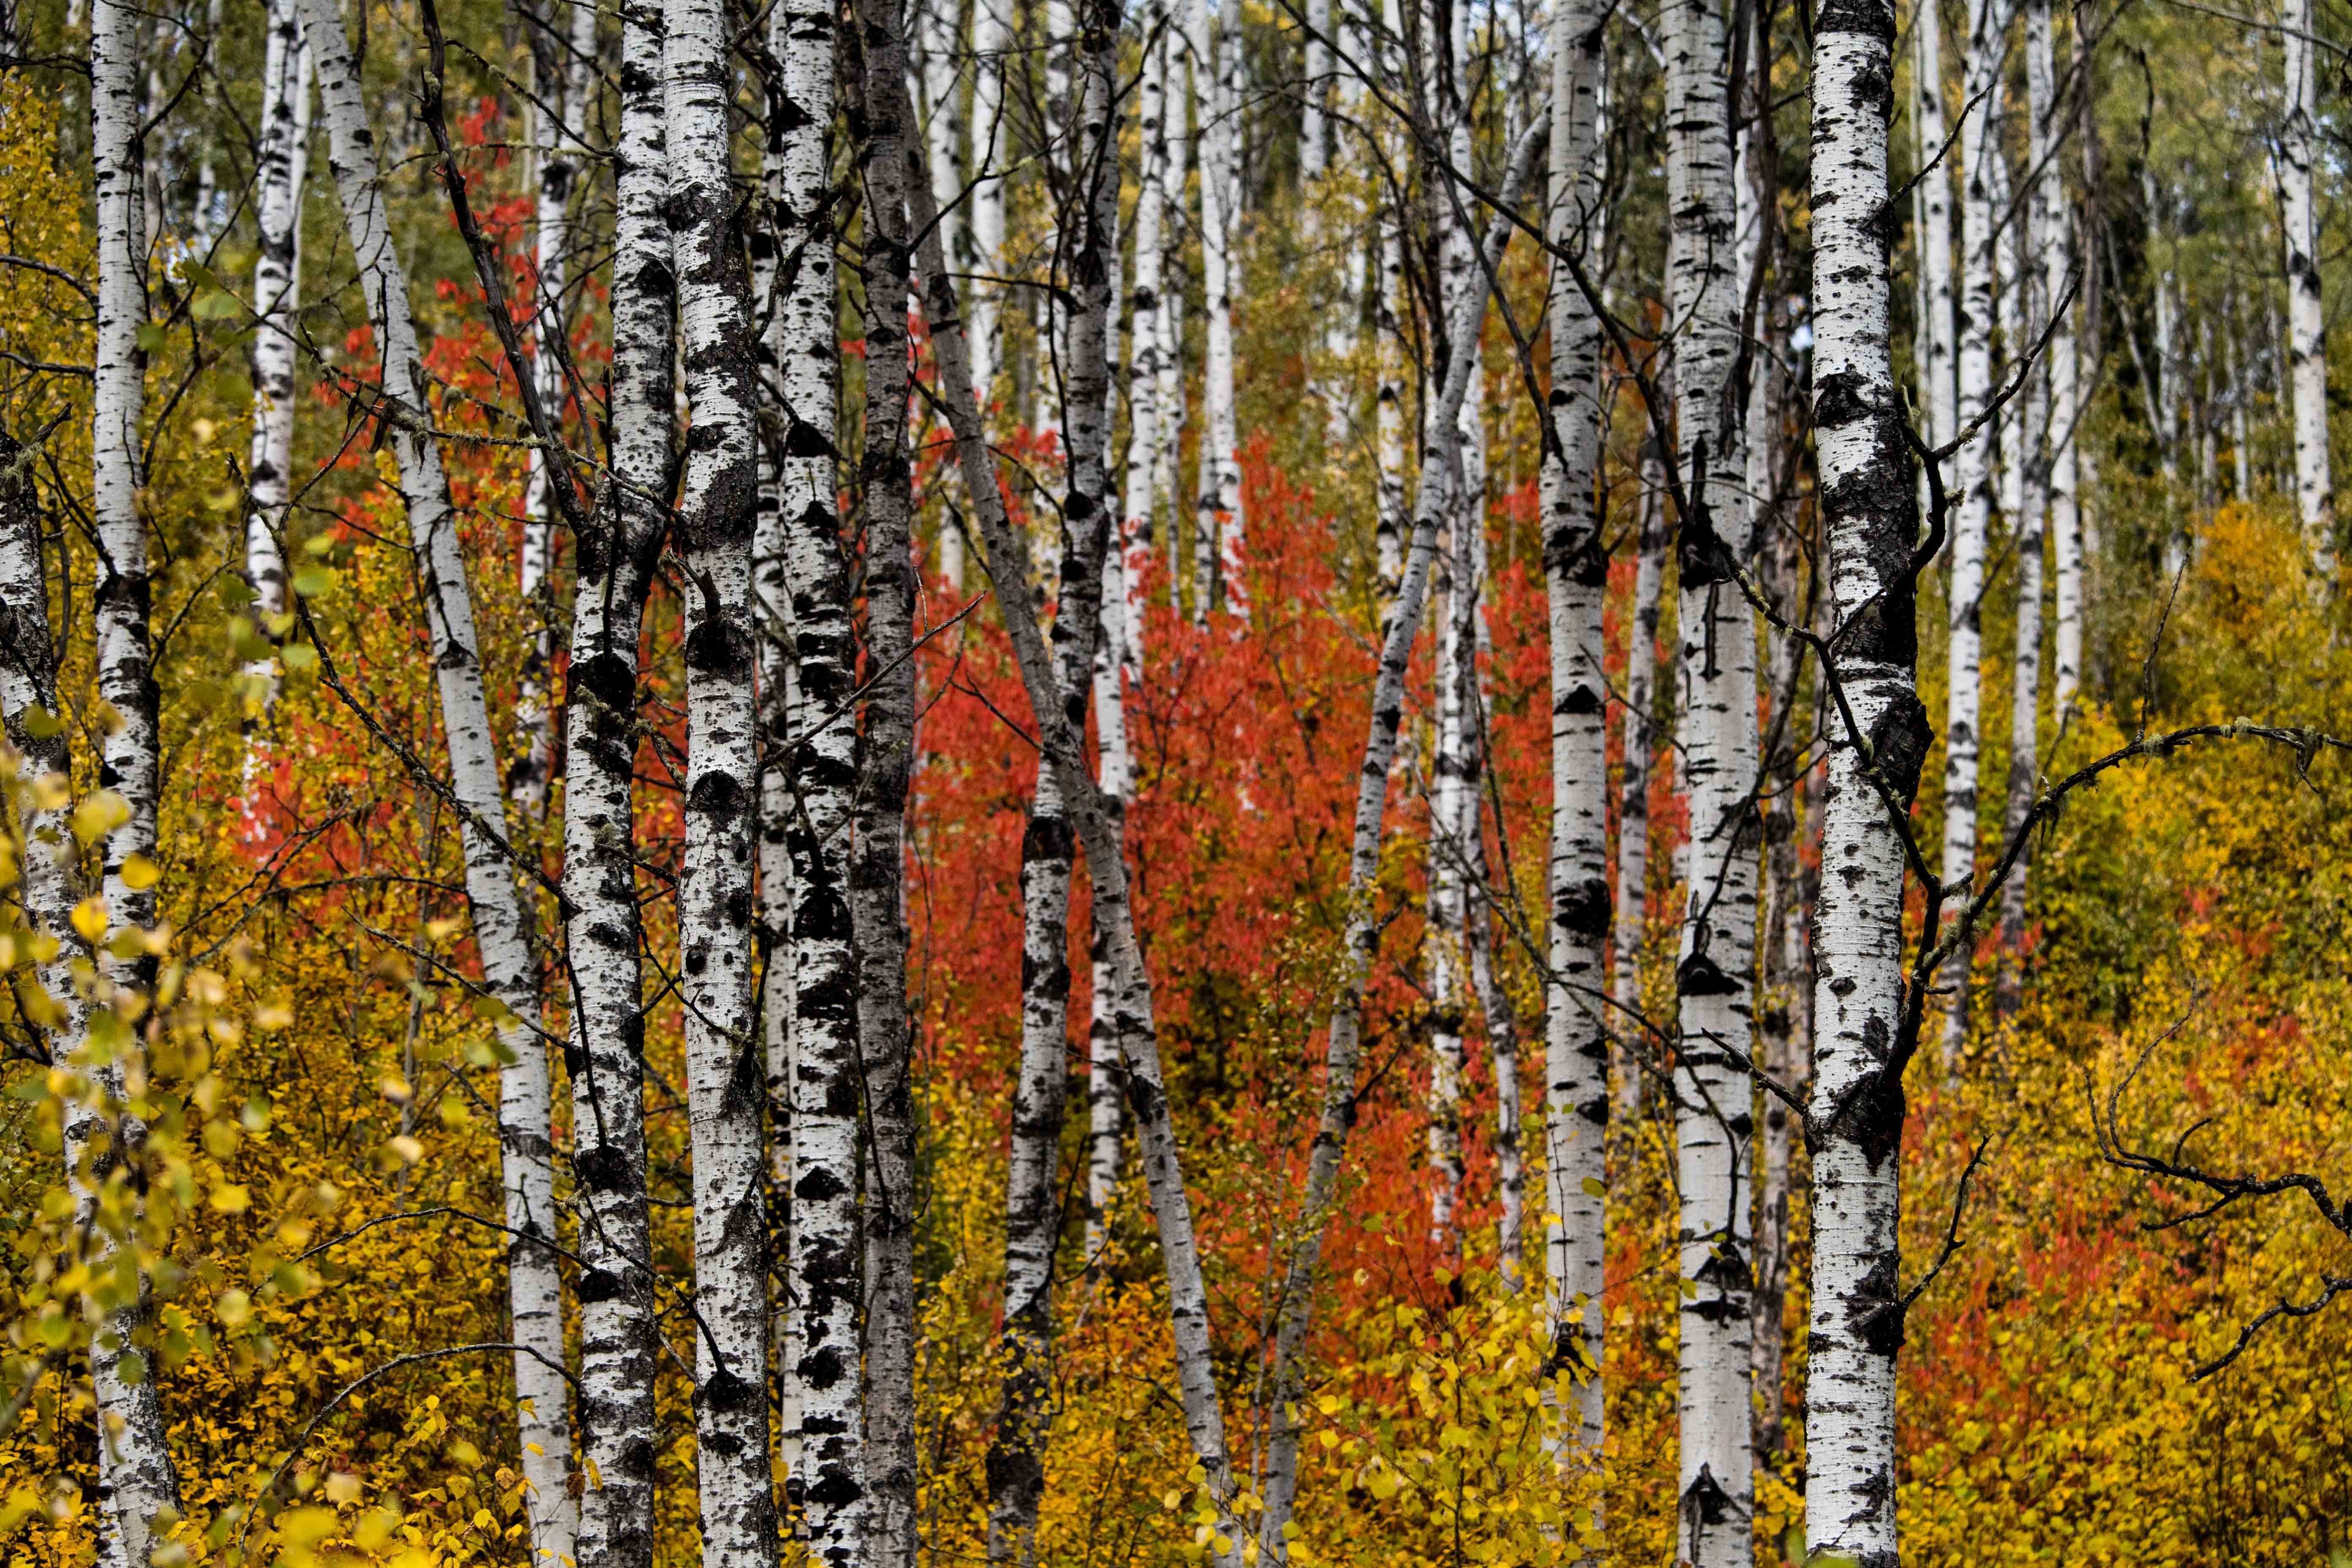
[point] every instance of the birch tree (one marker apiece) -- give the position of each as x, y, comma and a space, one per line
1879, 741
1934, 217
1085, 622
616, 563
1218, 528
1983, 176
534, 1288
281, 162
2315, 486
823, 1397
1637, 740
137, 1481
807, 750
877, 868
138, 1488
1717, 709
991, 39
1576, 580
718, 492
558, 113
2050, 225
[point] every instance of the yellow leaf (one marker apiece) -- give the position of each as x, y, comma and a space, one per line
232, 1199
409, 1150
99, 814
140, 873
89, 918
234, 1308
342, 1487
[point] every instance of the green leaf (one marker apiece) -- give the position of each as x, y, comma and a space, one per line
152, 337
312, 581
40, 724
216, 305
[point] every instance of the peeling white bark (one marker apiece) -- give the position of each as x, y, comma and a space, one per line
1576, 579
2315, 486
618, 1334
1715, 973
281, 157
1868, 520
1983, 178
1216, 45
725, 1067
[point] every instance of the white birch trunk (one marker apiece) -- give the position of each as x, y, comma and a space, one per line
1454, 597
1314, 133
136, 1479
525, 1111
1343, 1049
1637, 738
2315, 486
1868, 499
281, 157
1390, 524
557, 113
1149, 419
1576, 579
2051, 228
896, 155
1221, 524
935, 42
1717, 709
618, 1335
718, 494
822, 1399
1983, 178
992, 41
803, 786
1935, 220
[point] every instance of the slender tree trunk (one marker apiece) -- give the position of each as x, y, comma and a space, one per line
525, 1109
807, 754
1452, 595
1314, 135
618, 1343
281, 159
1343, 1048
1576, 578
876, 875
724, 1062
558, 114
1868, 529
1219, 504
1017, 1470
2315, 486
1391, 523
1149, 419
1983, 176
1637, 737
935, 48
1936, 219
824, 1403
136, 1477
137, 1482
2049, 229
992, 41
1716, 971
1100, 832
2240, 394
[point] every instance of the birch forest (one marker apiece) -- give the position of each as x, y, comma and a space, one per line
1105, 783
